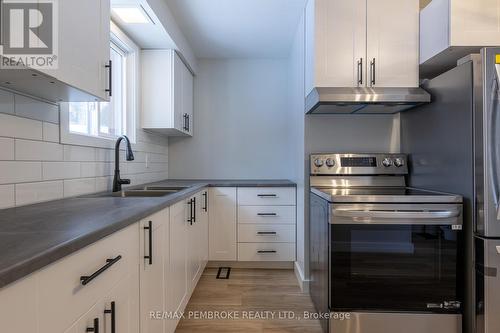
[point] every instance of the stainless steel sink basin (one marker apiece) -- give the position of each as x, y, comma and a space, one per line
142, 193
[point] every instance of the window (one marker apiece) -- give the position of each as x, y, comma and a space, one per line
99, 123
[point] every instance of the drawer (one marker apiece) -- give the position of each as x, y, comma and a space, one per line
269, 233
266, 251
63, 299
264, 196
266, 214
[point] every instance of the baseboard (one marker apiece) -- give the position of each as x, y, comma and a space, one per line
303, 283
252, 264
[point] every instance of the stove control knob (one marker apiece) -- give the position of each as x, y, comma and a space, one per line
318, 162
387, 162
330, 162
399, 162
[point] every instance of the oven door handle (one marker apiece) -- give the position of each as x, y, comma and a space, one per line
398, 216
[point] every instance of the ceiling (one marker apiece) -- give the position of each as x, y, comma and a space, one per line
238, 28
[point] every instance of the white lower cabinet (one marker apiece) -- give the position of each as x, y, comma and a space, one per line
18, 308
153, 260
222, 224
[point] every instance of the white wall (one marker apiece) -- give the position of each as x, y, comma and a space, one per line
241, 123
296, 100
35, 167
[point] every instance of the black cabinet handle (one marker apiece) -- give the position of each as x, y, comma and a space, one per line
267, 195
194, 210
360, 71
150, 239
373, 71
190, 219
267, 214
112, 312
205, 194
266, 233
266, 251
109, 262
188, 122
94, 329
110, 73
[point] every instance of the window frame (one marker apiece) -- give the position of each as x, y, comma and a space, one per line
132, 77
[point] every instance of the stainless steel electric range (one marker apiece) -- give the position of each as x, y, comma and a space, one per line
384, 257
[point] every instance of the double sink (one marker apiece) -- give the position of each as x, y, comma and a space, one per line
144, 192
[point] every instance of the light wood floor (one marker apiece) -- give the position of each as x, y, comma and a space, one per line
275, 291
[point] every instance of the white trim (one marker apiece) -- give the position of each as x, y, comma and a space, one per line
133, 84
299, 274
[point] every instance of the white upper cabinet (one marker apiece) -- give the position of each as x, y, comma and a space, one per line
167, 93
83, 37
451, 29
335, 43
392, 43
361, 43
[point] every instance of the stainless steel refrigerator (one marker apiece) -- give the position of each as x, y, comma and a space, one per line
453, 144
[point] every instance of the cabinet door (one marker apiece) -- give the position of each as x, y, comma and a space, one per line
187, 97
179, 114
152, 269
122, 307
92, 321
192, 250
177, 272
222, 223
335, 43
204, 221
18, 312
84, 35
393, 54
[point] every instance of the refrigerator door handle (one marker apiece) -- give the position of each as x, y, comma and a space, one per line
493, 138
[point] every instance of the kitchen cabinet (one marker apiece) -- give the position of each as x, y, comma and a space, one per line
222, 224
167, 93
353, 43
83, 53
62, 295
18, 310
266, 224
154, 259
452, 29
197, 247
177, 286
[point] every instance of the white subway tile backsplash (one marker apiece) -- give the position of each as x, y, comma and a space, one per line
34, 109
76, 187
7, 196
6, 149
60, 170
96, 169
27, 150
103, 184
35, 167
79, 154
50, 132
16, 127
30, 193
12, 172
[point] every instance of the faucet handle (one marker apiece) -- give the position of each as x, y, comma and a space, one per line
125, 181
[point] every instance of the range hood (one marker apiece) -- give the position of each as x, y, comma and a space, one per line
363, 100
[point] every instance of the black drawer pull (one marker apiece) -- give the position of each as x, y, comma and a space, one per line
94, 329
205, 195
267, 195
150, 239
266, 251
112, 312
266, 233
267, 214
109, 262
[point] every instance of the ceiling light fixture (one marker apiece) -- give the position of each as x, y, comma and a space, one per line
132, 15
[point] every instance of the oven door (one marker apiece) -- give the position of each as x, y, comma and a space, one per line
395, 257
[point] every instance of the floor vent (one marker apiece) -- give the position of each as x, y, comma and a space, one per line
223, 273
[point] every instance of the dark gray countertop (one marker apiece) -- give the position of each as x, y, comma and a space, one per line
32, 237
